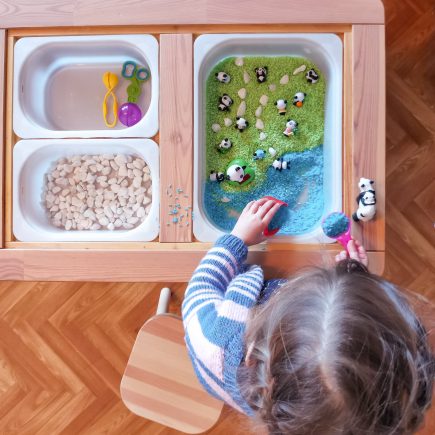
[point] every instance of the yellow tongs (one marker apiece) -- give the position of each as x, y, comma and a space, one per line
110, 80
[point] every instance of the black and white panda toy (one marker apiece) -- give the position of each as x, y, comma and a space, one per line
225, 103
281, 105
299, 98
312, 76
366, 201
224, 145
280, 164
217, 176
261, 74
223, 77
236, 173
241, 123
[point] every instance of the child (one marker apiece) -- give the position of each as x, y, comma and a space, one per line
335, 351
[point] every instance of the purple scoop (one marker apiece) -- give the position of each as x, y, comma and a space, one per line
129, 114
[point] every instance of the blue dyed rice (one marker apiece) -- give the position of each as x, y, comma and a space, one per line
335, 224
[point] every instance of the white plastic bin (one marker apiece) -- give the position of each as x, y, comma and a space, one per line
325, 50
32, 159
58, 89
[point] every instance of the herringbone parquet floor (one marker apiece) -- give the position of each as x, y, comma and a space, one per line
63, 346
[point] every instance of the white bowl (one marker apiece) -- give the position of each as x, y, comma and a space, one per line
58, 89
325, 50
32, 159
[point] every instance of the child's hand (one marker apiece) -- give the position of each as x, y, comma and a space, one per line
356, 252
255, 218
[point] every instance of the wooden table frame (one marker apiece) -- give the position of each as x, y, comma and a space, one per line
173, 257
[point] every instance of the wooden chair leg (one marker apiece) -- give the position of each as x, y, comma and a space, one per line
165, 297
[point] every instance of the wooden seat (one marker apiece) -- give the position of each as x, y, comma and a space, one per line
159, 382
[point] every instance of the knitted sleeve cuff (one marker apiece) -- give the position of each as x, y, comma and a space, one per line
235, 245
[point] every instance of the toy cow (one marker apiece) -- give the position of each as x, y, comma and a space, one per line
299, 98
217, 176
312, 76
225, 103
280, 164
261, 74
241, 123
224, 146
366, 201
223, 77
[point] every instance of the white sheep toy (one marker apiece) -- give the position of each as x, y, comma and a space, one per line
366, 201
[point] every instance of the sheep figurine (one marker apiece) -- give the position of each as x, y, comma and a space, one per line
366, 201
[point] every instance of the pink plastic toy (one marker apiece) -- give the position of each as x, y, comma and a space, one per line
337, 226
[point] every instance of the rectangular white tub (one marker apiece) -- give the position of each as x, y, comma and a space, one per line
325, 50
58, 89
32, 159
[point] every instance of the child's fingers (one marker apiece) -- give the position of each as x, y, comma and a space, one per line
248, 206
352, 249
255, 207
341, 256
271, 213
264, 209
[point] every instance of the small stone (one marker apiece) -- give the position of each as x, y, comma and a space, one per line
284, 79
299, 69
264, 99
259, 111
139, 164
242, 109
242, 93
239, 61
259, 124
216, 128
272, 87
225, 199
120, 160
227, 122
272, 152
246, 77
263, 135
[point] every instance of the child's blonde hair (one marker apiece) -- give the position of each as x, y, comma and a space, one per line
337, 351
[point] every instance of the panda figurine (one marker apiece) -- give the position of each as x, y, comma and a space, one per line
281, 105
236, 173
261, 74
299, 98
280, 164
241, 123
225, 103
290, 128
312, 77
223, 77
366, 201
217, 176
224, 145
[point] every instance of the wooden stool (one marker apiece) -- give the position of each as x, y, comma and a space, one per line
159, 382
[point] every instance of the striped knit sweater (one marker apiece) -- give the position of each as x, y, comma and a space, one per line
215, 310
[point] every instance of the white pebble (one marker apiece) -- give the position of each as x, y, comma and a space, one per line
239, 61
300, 69
259, 111
263, 135
227, 122
272, 152
246, 77
264, 99
284, 79
216, 128
242, 93
272, 87
241, 109
259, 124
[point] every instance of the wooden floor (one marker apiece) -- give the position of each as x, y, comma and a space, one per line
63, 346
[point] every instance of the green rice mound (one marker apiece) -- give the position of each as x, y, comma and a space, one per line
310, 116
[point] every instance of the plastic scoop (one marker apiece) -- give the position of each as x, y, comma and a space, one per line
337, 226
268, 232
110, 80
